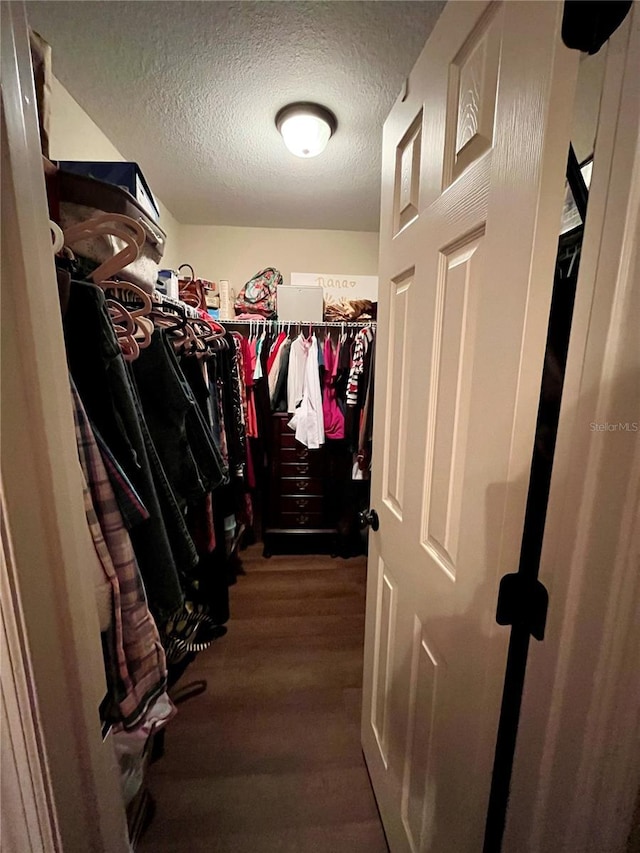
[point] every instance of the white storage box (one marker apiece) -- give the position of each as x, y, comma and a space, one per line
300, 304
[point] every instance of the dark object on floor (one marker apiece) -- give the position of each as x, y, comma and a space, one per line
189, 691
587, 24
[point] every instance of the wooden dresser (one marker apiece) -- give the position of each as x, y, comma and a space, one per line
298, 512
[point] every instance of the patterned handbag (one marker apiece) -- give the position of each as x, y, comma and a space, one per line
258, 296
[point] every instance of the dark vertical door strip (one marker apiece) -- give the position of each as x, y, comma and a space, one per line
522, 602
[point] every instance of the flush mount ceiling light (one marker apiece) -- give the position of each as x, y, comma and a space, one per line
306, 128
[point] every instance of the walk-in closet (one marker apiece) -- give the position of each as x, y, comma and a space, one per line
319, 416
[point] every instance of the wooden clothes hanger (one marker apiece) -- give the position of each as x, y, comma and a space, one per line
190, 342
132, 325
110, 225
128, 297
168, 316
144, 331
210, 338
136, 300
133, 329
124, 327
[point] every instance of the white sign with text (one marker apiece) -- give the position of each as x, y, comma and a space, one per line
347, 286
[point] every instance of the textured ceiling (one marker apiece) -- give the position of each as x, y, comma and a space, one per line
190, 91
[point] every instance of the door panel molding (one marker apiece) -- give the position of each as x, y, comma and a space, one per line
473, 84
418, 786
398, 397
386, 610
448, 415
408, 163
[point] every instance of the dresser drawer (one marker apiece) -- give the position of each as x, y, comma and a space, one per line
299, 453
303, 520
302, 468
288, 439
301, 486
302, 503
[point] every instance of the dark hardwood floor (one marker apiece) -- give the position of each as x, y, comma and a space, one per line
269, 758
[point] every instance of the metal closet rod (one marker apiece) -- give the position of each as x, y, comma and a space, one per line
334, 324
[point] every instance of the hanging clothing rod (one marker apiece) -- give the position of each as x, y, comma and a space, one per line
334, 324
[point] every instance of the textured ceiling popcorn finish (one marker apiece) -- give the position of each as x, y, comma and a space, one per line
190, 90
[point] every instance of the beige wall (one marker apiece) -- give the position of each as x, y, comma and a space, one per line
73, 135
235, 254
218, 251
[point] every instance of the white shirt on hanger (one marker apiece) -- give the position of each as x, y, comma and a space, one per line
295, 378
308, 419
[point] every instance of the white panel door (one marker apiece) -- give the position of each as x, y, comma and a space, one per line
473, 183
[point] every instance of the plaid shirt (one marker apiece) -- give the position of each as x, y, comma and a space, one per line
132, 509
138, 674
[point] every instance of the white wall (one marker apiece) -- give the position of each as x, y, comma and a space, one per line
227, 252
73, 135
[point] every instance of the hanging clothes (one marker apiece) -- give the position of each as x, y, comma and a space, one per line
189, 458
343, 431
131, 508
363, 339
296, 373
164, 409
273, 351
308, 419
362, 467
241, 368
275, 362
359, 420
278, 394
137, 673
332, 413
103, 383
249, 358
257, 370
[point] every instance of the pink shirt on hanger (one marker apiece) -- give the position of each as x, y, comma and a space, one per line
332, 413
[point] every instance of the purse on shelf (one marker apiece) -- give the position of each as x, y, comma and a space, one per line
258, 296
194, 290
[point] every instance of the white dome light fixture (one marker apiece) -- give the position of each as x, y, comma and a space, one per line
306, 128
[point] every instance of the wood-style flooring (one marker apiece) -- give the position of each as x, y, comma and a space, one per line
268, 759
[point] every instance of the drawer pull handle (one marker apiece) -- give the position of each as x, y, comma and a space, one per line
303, 485
303, 468
302, 503
303, 518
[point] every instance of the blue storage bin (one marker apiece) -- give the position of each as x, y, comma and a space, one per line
125, 175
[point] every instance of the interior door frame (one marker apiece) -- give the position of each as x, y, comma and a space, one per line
64, 775
29, 822
576, 775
